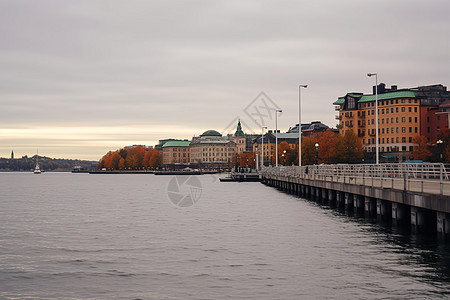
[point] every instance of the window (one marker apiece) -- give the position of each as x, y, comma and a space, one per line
396, 140
396, 109
387, 121
439, 118
396, 129
368, 112
392, 120
392, 110
403, 119
403, 129
382, 111
410, 139
438, 128
428, 129
415, 129
392, 130
415, 119
428, 119
403, 100
403, 109
392, 140
387, 110
410, 119
373, 111
396, 120
382, 130
382, 140
410, 129
403, 139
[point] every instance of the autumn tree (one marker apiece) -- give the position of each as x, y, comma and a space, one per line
282, 155
247, 159
421, 150
349, 148
308, 150
327, 141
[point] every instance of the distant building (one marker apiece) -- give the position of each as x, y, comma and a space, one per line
309, 128
270, 141
402, 115
162, 142
176, 153
212, 150
12, 154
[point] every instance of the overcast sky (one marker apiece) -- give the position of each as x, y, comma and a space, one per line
79, 78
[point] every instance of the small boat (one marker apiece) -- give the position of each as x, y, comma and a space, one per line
37, 170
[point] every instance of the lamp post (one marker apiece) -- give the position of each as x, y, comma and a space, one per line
300, 123
439, 143
262, 146
317, 153
377, 151
276, 136
284, 157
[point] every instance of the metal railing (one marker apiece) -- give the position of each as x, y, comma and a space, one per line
415, 177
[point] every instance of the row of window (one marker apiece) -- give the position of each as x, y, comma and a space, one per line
214, 154
382, 111
388, 140
387, 102
390, 149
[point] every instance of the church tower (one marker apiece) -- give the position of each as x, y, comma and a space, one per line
239, 138
12, 154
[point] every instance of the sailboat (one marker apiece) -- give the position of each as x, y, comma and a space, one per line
37, 170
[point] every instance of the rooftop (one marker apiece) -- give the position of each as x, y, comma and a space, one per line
383, 96
177, 144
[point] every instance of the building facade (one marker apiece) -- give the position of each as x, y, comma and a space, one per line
176, 153
402, 115
212, 150
270, 141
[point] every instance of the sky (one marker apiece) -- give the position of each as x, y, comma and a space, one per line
79, 78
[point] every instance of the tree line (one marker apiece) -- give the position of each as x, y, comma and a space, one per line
136, 158
332, 148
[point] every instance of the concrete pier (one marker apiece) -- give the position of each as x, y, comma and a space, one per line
422, 212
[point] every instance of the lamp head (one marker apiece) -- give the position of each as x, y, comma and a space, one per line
371, 74
303, 85
279, 110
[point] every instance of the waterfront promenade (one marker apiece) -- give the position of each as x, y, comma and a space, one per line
416, 193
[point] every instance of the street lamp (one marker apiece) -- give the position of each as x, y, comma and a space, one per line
377, 151
317, 153
284, 157
276, 136
262, 146
439, 143
300, 124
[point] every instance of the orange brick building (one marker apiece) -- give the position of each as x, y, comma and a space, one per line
176, 153
402, 115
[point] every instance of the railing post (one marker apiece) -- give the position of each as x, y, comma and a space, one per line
441, 183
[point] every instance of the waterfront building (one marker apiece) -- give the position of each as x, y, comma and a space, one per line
403, 114
212, 150
176, 154
309, 128
269, 143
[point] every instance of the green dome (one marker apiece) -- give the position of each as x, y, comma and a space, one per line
211, 133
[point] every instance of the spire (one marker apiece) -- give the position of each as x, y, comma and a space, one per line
12, 154
239, 131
